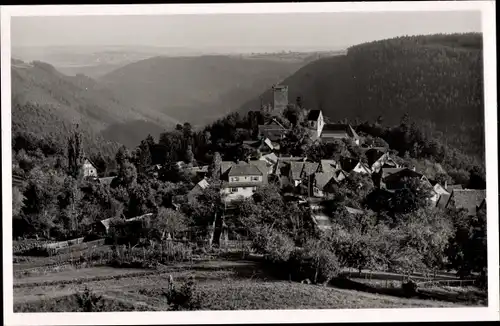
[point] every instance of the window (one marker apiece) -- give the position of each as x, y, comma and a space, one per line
233, 190
254, 188
255, 178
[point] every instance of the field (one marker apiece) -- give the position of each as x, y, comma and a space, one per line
225, 284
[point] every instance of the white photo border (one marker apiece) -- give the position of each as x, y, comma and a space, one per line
487, 9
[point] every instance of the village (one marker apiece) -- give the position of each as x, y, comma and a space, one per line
303, 180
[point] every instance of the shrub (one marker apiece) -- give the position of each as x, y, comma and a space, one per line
185, 297
275, 246
164, 253
314, 263
89, 301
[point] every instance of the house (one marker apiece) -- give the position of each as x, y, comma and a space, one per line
271, 159
438, 191
283, 169
101, 228
328, 166
280, 98
468, 199
241, 179
263, 145
315, 122
378, 159
331, 132
89, 168
450, 188
198, 171
392, 178
320, 183
106, 181
197, 189
309, 169
273, 130
352, 165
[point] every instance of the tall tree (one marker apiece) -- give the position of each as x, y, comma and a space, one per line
75, 155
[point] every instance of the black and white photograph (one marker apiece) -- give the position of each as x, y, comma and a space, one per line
281, 159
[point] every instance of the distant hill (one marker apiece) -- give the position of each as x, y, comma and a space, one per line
196, 89
436, 79
62, 99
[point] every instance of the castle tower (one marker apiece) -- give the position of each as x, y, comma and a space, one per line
280, 97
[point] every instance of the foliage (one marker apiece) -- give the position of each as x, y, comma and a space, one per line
316, 262
275, 246
185, 297
88, 301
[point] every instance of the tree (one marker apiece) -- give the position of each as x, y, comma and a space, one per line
17, 201
126, 177
123, 156
169, 221
143, 157
75, 155
189, 157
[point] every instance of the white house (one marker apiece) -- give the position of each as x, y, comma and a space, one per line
241, 179
316, 122
89, 169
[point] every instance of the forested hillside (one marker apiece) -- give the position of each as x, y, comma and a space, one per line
47, 102
437, 80
196, 89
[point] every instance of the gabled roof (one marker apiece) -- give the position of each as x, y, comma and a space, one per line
225, 166
86, 159
348, 164
389, 171
310, 168
338, 131
443, 201
328, 165
243, 168
107, 180
322, 179
296, 169
261, 165
450, 188
468, 199
338, 173
313, 115
399, 175
203, 184
322, 220
373, 155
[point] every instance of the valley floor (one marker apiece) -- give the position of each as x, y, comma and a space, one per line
225, 284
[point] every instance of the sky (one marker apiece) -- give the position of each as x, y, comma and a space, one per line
311, 31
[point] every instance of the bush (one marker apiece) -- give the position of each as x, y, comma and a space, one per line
89, 301
317, 264
275, 246
185, 297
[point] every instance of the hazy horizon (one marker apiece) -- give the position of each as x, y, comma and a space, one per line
247, 32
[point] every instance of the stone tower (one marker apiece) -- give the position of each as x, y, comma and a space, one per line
280, 97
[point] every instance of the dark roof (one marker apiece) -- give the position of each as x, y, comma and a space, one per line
443, 200
107, 180
389, 171
243, 168
453, 187
373, 155
313, 115
468, 199
348, 163
322, 179
338, 131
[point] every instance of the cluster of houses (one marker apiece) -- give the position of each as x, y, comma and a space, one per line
241, 179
